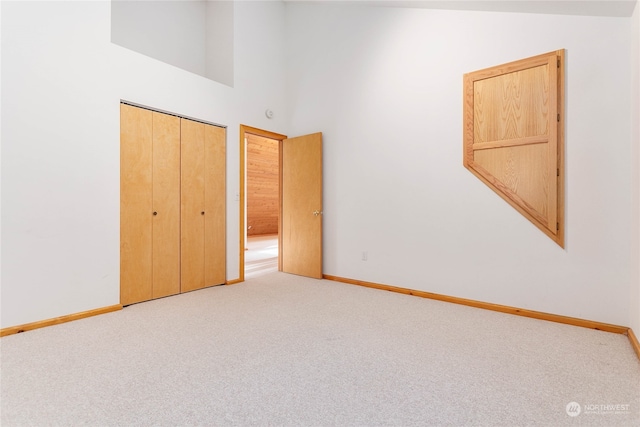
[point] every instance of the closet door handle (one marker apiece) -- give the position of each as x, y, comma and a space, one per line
155, 213
202, 213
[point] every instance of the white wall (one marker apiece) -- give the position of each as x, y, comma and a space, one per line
385, 87
170, 31
1, 244
634, 297
195, 35
62, 81
219, 41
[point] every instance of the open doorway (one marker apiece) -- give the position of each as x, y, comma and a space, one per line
299, 202
263, 202
260, 222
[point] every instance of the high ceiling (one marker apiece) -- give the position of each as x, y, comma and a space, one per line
562, 7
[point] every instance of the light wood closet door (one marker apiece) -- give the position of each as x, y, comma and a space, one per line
149, 205
203, 206
215, 205
172, 205
192, 206
166, 205
136, 204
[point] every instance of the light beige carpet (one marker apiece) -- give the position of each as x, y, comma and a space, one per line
285, 350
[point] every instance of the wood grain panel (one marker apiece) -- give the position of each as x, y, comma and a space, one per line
166, 205
514, 105
215, 206
511, 142
555, 168
514, 138
523, 171
136, 157
192, 205
560, 114
262, 185
301, 232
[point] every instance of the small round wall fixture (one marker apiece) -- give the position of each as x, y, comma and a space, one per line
268, 113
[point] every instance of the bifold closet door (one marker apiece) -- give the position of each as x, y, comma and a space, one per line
166, 205
136, 192
215, 248
202, 205
149, 205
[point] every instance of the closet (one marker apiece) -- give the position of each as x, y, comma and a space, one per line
172, 205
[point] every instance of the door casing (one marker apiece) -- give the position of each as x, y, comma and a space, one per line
244, 130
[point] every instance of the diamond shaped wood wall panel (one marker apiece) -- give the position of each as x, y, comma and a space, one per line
514, 138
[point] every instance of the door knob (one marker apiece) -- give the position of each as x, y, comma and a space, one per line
202, 213
317, 212
155, 213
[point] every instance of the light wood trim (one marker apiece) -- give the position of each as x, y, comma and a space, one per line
261, 132
467, 121
552, 147
634, 342
541, 139
58, 320
511, 67
489, 306
560, 141
244, 130
280, 157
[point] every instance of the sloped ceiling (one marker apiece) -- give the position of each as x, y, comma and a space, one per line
618, 8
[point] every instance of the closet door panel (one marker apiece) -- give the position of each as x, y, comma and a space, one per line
166, 205
192, 205
136, 274
215, 214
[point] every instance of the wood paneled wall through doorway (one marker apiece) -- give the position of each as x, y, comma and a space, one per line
262, 185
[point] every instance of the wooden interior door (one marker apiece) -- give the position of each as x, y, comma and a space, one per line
215, 206
192, 205
301, 217
136, 211
166, 205
514, 139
